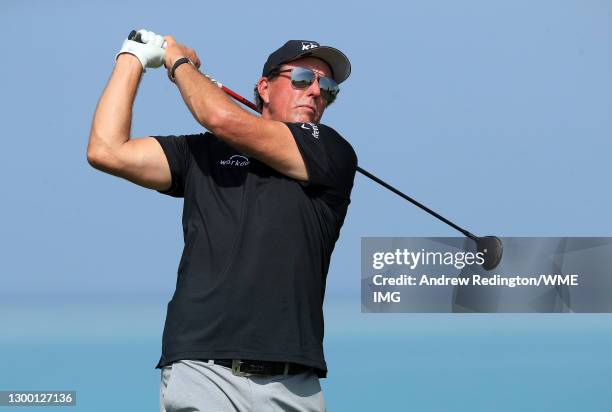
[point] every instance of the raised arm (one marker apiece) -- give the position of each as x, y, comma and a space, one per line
269, 141
110, 148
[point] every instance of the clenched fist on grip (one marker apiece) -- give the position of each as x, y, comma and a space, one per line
175, 51
150, 52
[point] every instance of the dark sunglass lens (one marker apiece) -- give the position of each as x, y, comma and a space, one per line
328, 84
329, 88
302, 78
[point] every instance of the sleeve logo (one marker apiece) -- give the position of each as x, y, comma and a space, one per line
311, 127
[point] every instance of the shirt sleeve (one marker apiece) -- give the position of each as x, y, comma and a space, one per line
330, 160
176, 149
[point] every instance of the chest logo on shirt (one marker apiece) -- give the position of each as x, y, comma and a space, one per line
311, 127
236, 161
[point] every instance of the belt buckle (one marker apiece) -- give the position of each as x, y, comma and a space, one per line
236, 368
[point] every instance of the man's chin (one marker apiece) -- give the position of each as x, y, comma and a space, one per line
306, 116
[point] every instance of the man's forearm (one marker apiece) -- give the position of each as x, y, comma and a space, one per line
211, 107
113, 117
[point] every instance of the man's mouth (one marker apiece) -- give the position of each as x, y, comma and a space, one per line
312, 108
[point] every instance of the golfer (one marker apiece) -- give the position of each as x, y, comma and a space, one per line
264, 200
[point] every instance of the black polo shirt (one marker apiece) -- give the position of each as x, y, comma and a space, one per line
251, 280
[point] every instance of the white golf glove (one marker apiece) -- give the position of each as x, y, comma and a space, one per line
150, 52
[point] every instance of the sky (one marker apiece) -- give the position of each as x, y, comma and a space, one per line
496, 114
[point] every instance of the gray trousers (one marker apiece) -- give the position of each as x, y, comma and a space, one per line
200, 386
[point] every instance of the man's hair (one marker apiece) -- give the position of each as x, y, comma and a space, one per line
257, 97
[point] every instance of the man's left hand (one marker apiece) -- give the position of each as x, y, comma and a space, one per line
175, 51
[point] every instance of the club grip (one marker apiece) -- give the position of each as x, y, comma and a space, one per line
134, 35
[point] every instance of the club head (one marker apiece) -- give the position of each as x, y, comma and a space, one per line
492, 248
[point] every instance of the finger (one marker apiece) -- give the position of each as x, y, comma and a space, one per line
193, 57
169, 40
150, 36
144, 35
158, 40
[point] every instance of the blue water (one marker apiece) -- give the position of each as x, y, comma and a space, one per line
376, 361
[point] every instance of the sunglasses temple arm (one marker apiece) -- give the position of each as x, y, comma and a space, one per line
359, 169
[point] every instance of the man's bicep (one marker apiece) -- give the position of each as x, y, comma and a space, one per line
273, 144
143, 162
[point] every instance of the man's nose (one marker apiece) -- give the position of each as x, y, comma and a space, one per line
314, 89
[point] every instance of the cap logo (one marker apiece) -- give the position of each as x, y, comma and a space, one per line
307, 45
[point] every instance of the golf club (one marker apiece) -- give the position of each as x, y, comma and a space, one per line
490, 246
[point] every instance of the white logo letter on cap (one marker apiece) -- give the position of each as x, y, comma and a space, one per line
309, 45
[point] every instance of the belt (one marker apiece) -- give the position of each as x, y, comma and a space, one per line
241, 367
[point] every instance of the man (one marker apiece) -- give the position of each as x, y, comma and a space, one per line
264, 200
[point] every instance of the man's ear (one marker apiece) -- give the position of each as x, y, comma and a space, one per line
263, 87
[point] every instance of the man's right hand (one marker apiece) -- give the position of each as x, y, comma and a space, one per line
175, 51
150, 52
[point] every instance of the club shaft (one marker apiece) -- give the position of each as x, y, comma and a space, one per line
415, 202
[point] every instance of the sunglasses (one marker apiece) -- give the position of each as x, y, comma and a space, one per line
302, 78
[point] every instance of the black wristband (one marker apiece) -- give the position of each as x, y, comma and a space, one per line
177, 64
